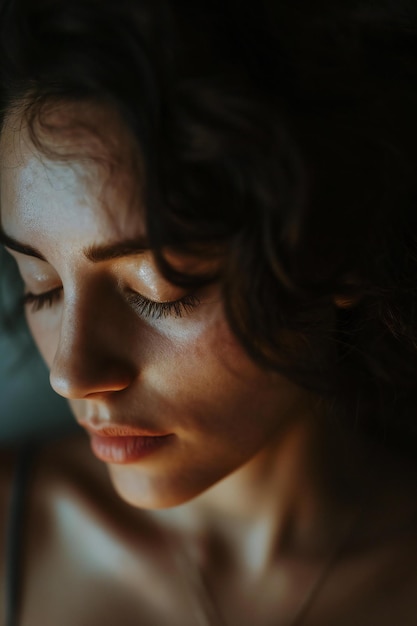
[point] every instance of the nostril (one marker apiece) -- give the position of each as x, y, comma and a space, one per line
83, 381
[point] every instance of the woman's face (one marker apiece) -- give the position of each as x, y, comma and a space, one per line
133, 354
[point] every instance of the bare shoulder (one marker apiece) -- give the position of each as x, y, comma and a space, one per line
58, 467
86, 550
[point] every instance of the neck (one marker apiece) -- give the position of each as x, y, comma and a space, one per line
281, 502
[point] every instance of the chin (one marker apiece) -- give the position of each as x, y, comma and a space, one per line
150, 492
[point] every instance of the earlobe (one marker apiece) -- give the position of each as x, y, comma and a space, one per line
346, 302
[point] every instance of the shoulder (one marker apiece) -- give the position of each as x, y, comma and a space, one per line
71, 507
55, 468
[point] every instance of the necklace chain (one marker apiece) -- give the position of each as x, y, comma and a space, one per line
319, 581
206, 609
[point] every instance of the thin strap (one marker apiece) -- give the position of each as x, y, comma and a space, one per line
15, 534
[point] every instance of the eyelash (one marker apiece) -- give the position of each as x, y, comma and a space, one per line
158, 310
144, 306
41, 300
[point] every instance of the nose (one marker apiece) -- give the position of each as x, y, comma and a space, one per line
93, 355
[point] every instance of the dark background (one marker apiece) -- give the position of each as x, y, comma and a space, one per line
28, 406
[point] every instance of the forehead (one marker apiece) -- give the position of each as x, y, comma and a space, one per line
76, 177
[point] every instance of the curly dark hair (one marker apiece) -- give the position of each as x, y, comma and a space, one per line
280, 135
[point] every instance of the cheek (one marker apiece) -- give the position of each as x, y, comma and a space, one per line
212, 386
211, 377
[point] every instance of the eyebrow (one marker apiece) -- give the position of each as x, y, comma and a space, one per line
95, 254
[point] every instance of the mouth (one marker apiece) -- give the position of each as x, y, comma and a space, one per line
125, 444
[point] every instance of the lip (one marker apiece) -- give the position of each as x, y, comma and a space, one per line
125, 444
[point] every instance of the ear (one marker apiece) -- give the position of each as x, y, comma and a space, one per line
350, 295
346, 302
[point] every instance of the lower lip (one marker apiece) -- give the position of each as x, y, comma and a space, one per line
129, 449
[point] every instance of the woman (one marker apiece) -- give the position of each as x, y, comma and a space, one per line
211, 208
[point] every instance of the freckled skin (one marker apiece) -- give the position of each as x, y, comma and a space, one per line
249, 460
183, 375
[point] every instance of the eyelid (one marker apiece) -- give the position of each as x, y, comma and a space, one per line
39, 301
157, 310
145, 278
144, 306
33, 269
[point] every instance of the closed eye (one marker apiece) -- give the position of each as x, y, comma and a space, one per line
144, 306
157, 310
42, 300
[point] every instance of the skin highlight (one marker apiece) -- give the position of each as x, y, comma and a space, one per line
182, 373
271, 145
254, 484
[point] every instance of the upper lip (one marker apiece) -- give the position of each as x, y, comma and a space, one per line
120, 430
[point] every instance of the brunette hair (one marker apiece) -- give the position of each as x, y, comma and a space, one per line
280, 135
